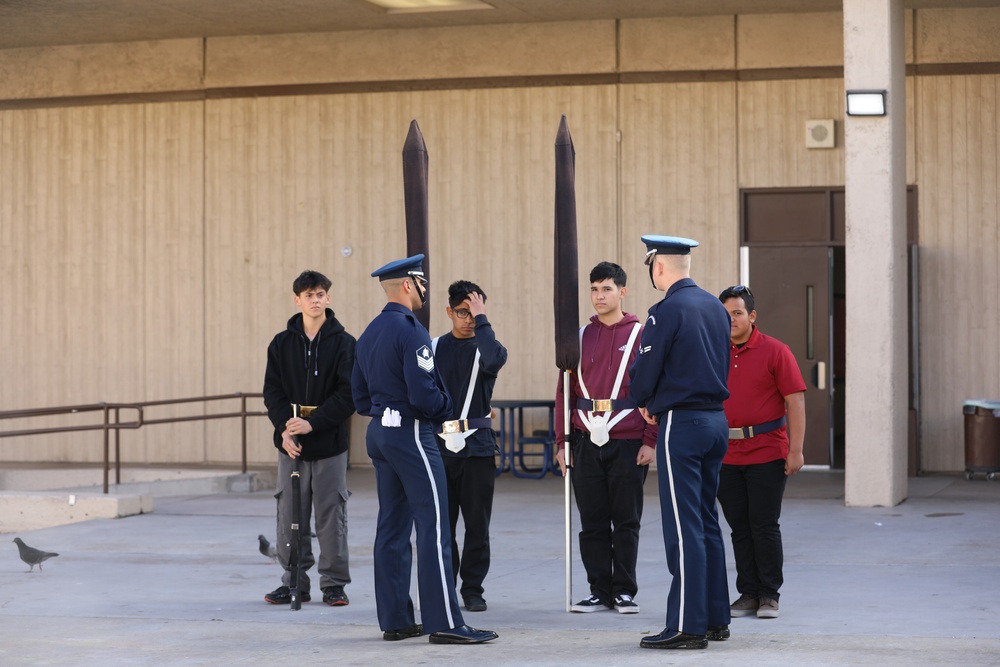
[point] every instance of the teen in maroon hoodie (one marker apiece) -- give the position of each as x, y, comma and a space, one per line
612, 446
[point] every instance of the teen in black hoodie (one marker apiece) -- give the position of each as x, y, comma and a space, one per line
310, 364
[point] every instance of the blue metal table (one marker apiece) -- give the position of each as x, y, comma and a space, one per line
512, 439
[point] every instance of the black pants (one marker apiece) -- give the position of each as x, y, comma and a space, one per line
471, 481
751, 500
608, 487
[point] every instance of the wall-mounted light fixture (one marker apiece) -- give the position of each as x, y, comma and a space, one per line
415, 6
865, 102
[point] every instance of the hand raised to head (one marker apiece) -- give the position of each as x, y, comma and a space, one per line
477, 306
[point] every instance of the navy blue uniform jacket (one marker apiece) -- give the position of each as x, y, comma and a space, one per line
683, 358
311, 372
394, 368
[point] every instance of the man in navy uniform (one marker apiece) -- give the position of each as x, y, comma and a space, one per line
679, 382
396, 383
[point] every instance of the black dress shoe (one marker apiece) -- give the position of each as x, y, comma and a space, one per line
463, 634
674, 639
405, 633
717, 633
475, 603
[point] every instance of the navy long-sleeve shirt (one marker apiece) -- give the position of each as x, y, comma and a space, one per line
454, 357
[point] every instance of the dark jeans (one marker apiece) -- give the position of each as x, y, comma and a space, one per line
471, 481
751, 500
608, 487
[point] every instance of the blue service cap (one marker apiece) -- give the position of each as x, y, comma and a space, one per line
401, 268
667, 245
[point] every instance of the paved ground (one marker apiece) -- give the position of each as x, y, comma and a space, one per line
910, 585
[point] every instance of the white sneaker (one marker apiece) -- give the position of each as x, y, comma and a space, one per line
625, 605
593, 603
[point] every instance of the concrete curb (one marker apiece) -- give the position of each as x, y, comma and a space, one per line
33, 510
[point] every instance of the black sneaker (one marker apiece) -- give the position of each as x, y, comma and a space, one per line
335, 596
625, 604
475, 603
282, 595
593, 603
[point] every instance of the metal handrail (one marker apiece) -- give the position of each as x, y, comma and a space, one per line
106, 426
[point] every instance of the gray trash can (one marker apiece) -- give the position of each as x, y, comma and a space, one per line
982, 437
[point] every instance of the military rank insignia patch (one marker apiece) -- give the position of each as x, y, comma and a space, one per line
425, 359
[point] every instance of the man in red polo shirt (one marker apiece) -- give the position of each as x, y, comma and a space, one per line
766, 411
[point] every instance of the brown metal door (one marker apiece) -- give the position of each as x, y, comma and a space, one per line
792, 289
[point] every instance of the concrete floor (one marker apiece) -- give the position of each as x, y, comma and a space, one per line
914, 584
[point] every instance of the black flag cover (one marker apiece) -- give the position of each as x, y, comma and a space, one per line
415, 200
567, 305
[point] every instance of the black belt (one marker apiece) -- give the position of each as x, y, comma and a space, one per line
604, 404
700, 407
463, 425
760, 429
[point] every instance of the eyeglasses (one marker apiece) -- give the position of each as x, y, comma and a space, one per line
462, 313
650, 258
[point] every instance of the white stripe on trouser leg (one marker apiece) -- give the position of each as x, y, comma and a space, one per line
677, 516
437, 523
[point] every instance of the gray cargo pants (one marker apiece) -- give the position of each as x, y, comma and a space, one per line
323, 488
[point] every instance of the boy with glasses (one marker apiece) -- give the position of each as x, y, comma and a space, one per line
469, 358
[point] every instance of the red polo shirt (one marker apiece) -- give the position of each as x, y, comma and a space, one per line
761, 374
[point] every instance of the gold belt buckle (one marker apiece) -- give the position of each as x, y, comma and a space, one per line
453, 426
602, 405
305, 411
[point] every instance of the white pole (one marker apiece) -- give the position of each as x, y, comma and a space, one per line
567, 454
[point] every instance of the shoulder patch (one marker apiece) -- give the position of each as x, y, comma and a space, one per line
425, 359
651, 320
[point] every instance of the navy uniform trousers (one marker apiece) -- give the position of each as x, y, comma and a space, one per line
412, 489
689, 455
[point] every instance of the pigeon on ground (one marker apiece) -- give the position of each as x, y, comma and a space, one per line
267, 549
32, 556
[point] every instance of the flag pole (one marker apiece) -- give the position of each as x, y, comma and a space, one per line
567, 308
568, 519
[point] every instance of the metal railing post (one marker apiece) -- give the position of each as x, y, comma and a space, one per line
118, 449
106, 462
243, 418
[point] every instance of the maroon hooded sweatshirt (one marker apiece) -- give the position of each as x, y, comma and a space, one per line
600, 356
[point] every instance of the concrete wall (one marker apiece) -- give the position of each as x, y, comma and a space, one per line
157, 198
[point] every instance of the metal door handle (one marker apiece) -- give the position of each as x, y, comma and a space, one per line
819, 375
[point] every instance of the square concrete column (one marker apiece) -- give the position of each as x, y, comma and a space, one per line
875, 188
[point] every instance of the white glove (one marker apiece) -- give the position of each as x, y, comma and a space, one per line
391, 418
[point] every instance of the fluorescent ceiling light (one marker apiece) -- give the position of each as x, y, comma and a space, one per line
865, 102
413, 6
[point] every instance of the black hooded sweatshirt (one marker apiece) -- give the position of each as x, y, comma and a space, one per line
311, 372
